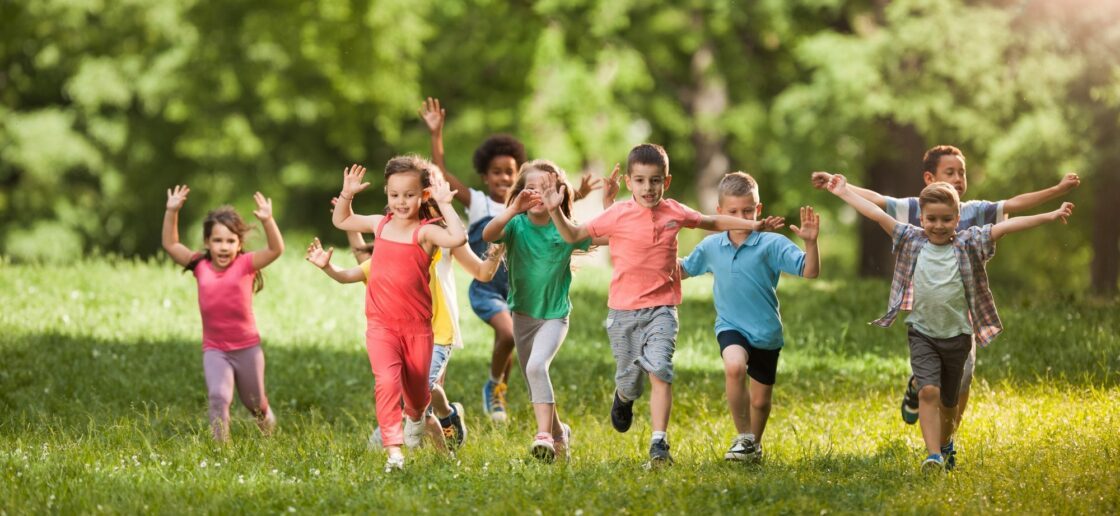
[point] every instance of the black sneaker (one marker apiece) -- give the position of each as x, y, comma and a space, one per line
910, 403
622, 414
949, 452
659, 453
455, 431
744, 449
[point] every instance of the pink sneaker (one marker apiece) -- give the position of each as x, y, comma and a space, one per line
544, 447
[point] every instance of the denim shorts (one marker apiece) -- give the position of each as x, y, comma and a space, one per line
440, 355
487, 299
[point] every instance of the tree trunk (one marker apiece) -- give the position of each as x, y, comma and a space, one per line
1105, 267
895, 171
707, 103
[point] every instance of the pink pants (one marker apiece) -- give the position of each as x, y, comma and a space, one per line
242, 369
400, 355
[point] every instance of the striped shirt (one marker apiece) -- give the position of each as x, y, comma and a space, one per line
973, 247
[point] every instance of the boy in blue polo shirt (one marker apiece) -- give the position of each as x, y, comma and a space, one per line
746, 266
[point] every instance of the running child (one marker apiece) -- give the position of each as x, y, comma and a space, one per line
496, 161
228, 277
747, 266
646, 284
399, 336
540, 274
947, 164
940, 277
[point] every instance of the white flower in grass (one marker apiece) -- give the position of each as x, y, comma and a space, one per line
202, 464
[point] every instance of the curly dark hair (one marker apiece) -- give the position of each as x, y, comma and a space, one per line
498, 145
933, 157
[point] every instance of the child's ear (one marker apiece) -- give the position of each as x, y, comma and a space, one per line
758, 210
927, 176
668, 180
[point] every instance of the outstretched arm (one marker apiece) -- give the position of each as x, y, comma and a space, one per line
727, 223
434, 115
322, 259
362, 251
820, 181
178, 252
343, 216
275, 248
1029, 200
453, 235
1023, 223
571, 233
838, 185
808, 231
481, 270
587, 183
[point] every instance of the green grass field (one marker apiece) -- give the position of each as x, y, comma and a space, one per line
103, 409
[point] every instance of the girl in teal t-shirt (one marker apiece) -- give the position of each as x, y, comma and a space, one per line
540, 273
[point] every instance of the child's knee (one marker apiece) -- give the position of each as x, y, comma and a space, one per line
930, 394
735, 372
761, 403
220, 400
536, 371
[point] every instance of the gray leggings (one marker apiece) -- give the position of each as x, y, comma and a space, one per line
243, 369
537, 341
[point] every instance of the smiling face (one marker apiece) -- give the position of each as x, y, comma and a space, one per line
940, 222
950, 169
498, 177
223, 245
648, 183
405, 194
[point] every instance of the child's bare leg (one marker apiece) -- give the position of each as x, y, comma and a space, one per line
948, 424
735, 380
440, 406
501, 359
547, 420
435, 432
660, 403
760, 407
929, 417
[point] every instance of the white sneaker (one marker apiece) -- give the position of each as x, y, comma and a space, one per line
413, 432
563, 444
394, 463
744, 449
375, 440
543, 447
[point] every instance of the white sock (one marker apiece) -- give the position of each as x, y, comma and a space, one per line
659, 435
747, 436
416, 422
495, 380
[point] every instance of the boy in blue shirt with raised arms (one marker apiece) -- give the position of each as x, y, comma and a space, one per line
746, 266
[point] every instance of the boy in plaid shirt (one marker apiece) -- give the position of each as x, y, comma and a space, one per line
940, 278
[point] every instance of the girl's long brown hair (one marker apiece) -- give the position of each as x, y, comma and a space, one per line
228, 217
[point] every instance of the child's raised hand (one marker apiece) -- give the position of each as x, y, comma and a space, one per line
440, 190
810, 224
838, 184
432, 114
820, 180
1064, 213
177, 196
587, 184
525, 200
771, 223
316, 254
610, 183
1069, 182
264, 207
352, 180
553, 196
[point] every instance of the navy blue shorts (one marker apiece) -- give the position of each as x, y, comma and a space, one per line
762, 364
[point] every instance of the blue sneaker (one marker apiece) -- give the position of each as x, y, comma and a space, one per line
934, 462
910, 403
494, 401
950, 453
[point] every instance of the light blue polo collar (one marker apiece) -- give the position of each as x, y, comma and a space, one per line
752, 239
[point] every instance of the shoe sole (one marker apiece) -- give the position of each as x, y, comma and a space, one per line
742, 457
543, 452
498, 416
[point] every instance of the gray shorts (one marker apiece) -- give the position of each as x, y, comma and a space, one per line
643, 341
939, 362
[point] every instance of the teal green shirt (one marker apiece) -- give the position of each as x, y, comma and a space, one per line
940, 309
540, 268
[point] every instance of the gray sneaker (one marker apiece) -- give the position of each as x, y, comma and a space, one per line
659, 453
744, 449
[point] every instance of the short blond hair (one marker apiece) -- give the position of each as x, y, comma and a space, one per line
940, 193
739, 184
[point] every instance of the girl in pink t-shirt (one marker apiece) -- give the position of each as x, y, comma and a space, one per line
227, 278
398, 300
